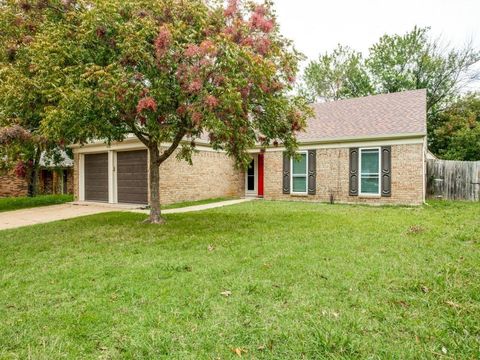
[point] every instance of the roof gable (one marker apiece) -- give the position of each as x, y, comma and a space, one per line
384, 115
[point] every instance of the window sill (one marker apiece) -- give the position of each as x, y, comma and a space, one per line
299, 195
367, 196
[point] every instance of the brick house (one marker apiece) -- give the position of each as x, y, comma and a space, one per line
12, 186
52, 179
365, 150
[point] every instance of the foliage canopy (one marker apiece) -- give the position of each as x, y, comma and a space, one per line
170, 72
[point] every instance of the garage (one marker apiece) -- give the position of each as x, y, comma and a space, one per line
96, 177
132, 177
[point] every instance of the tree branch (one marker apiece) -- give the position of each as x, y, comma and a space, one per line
140, 135
172, 147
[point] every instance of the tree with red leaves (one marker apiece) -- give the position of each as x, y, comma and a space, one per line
169, 72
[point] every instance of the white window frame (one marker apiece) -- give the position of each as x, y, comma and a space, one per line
360, 171
253, 192
292, 175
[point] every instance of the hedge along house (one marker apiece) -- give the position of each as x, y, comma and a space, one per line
364, 150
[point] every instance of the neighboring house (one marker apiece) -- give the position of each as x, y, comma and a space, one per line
12, 186
365, 150
52, 179
56, 178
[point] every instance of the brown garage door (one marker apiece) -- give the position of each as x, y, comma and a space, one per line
96, 177
132, 172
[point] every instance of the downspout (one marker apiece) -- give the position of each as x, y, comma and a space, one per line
424, 154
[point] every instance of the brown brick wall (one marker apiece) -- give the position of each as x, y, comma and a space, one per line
333, 177
211, 175
12, 186
70, 179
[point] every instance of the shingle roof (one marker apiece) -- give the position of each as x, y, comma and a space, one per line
65, 160
382, 115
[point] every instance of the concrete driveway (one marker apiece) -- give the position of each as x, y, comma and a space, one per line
45, 214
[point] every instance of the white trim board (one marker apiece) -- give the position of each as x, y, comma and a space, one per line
112, 165
101, 148
133, 143
365, 138
81, 177
371, 143
128, 146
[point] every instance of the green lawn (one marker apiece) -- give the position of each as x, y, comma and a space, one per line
303, 281
16, 203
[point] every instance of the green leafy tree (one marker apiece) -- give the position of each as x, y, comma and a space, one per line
397, 63
169, 72
338, 75
457, 136
414, 61
24, 97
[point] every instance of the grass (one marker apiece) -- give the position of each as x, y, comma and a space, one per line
16, 203
195, 203
298, 280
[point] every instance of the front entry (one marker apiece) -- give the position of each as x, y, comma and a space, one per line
254, 176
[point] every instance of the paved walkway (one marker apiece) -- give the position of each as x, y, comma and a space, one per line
198, 207
45, 214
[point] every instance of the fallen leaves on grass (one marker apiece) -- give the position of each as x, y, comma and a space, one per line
402, 303
211, 247
268, 346
239, 351
226, 293
415, 229
453, 304
332, 313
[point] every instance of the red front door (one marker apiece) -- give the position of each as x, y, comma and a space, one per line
260, 174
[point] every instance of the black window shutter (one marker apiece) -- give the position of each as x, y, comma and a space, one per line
386, 171
312, 172
286, 173
353, 174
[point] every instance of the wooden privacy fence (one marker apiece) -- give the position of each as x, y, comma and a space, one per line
453, 180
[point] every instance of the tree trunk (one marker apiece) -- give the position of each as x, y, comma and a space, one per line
33, 176
154, 171
155, 160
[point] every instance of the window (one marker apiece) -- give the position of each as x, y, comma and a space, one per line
299, 173
251, 176
370, 171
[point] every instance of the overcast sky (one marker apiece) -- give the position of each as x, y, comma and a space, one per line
318, 26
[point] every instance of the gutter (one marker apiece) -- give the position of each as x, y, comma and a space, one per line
132, 139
